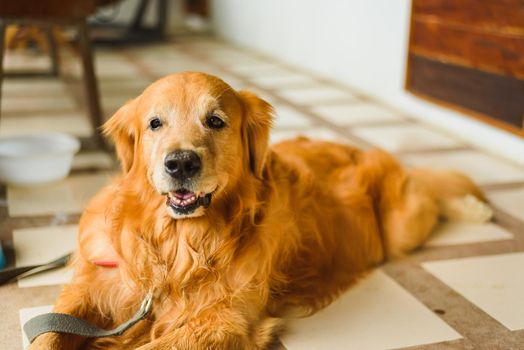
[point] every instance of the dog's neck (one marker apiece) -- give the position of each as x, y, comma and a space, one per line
183, 251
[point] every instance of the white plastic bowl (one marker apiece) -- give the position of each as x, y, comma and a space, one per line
36, 159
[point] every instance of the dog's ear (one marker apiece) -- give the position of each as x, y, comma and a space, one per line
120, 129
258, 118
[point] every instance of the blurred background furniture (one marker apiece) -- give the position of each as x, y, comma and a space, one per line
106, 33
47, 14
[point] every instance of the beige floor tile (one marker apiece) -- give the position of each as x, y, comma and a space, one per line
254, 70
454, 233
110, 60
161, 53
219, 49
227, 56
35, 103
28, 313
290, 118
67, 196
180, 66
405, 137
206, 44
129, 85
147, 52
93, 160
112, 103
166, 58
107, 53
230, 60
279, 81
40, 245
481, 167
493, 283
32, 87
75, 123
27, 61
355, 113
318, 133
74, 70
309, 95
511, 201
120, 68
224, 49
375, 314
273, 73
171, 64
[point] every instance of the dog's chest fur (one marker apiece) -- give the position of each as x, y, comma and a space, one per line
181, 263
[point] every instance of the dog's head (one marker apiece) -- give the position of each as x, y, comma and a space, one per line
193, 137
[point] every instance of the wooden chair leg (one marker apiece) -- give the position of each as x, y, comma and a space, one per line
53, 50
138, 19
162, 14
90, 82
3, 25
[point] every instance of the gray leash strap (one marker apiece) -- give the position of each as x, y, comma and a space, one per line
64, 323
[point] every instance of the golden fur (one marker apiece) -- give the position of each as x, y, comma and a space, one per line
288, 229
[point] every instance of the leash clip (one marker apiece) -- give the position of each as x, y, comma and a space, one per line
147, 303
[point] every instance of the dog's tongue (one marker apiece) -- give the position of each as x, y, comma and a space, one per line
183, 194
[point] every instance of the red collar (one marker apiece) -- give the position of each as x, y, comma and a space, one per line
106, 263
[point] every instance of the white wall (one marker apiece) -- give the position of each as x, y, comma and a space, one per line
361, 43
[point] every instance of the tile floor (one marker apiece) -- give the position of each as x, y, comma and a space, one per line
463, 290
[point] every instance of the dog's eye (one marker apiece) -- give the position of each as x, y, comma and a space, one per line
215, 122
155, 123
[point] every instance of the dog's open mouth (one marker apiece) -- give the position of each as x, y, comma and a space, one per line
183, 201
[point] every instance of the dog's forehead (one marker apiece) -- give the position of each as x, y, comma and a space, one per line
197, 92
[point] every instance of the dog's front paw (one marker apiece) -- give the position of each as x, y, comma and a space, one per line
46, 341
56, 341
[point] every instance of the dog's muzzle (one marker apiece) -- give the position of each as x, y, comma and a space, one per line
185, 202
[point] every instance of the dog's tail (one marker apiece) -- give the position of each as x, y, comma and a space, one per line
452, 194
457, 196
412, 200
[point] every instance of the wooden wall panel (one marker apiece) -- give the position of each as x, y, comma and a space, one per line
498, 53
469, 55
481, 92
500, 15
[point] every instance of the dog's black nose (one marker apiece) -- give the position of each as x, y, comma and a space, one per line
182, 164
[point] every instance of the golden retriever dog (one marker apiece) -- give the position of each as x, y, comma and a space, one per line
233, 235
